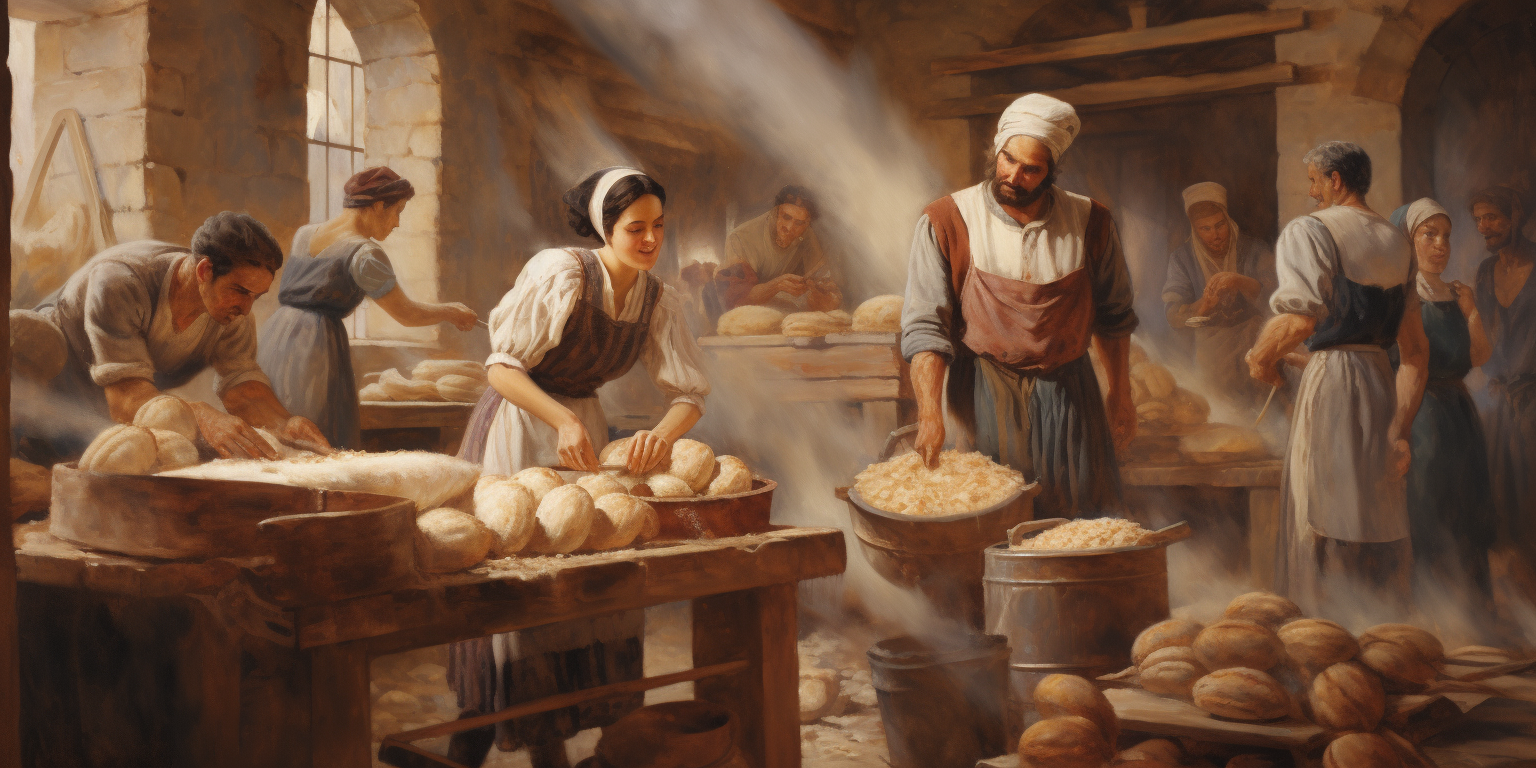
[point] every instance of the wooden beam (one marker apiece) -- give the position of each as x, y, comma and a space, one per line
1126, 93
1207, 30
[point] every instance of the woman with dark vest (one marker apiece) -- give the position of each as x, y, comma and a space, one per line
332, 267
575, 319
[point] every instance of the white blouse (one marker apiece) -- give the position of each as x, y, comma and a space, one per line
530, 321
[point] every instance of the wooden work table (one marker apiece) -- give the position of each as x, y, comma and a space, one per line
421, 426
1259, 479
137, 661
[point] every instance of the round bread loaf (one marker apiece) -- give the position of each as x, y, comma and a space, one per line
1429, 647
374, 393
507, 509
1266, 608
435, 370
1361, 750
815, 323
650, 528
1063, 695
170, 413
539, 481
1348, 697
600, 485
1064, 742
1316, 644
731, 476
882, 314
448, 540
565, 516
460, 389
1240, 693
1402, 666
173, 450
123, 449
692, 462
1238, 643
628, 481
1171, 632
750, 320
615, 452
619, 520
664, 486
1162, 750
1159, 382
1171, 678
1171, 653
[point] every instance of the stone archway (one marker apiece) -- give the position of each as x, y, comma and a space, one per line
1385, 67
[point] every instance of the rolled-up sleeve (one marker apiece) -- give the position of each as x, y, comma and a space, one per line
1114, 311
118, 309
1304, 268
671, 356
233, 358
928, 309
530, 319
372, 271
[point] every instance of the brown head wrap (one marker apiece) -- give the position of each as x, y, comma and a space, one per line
376, 185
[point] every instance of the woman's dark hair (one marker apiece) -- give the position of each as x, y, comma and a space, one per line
375, 185
621, 196
228, 240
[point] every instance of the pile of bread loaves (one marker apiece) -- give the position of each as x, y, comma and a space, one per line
692, 469
453, 381
882, 314
1264, 661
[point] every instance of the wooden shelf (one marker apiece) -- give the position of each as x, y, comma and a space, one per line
1120, 94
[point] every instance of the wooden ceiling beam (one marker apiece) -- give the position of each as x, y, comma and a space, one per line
1207, 30
1128, 93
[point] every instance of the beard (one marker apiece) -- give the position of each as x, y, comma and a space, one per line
1498, 242
1018, 197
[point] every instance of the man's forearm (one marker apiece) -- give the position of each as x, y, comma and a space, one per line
928, 369
1281, 335
256, 404
1115, 355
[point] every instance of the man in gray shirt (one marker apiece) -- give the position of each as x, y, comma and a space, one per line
146, 316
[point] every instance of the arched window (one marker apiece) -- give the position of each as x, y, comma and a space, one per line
337, 119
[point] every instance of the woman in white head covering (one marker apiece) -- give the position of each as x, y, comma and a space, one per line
1450, 508
576, 319
1222, 278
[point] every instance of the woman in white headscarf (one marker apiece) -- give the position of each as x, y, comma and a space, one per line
576, 319
1225, 278
1450, 507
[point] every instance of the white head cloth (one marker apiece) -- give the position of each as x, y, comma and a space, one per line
1205, 192
1420, 211
600, 196
1053, 121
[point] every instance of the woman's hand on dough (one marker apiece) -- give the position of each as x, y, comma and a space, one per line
576, 446
646, 450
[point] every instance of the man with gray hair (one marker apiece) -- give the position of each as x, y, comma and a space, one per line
1344, 276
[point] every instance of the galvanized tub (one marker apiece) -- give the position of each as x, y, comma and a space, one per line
941, 707
1074, 611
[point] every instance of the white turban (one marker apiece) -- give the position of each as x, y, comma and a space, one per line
1205, 192
1420, 211
1053, 121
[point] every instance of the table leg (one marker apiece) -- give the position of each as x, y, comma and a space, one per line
339, 707
1263, 532
757, 625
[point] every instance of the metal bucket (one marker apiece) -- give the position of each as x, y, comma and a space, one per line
941, 708
939, 556
1072, 612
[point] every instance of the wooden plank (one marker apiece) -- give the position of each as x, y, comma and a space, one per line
398, 415
1258, 474
1145, 712
887, 339
339, 708
1263, 532
848, 361
838, 390
758, 626
1125, 93
776, 340
1193, 32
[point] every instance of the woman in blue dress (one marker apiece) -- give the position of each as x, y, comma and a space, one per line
1450, 508
332, 267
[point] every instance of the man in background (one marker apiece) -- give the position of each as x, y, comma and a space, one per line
1217, 288
776, 259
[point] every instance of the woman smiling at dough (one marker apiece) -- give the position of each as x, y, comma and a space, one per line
576, 319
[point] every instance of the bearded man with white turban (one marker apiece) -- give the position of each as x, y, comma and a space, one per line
1225, 278
1010, 281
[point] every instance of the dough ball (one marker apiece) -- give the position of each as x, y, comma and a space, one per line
627, 480
815, 323
564, 519
170, 413
615, 452
448, 540
598, 486
508, 510
122, 450
666, 486
882, 314
539, 480
750, 320
619, 519
172, 450
692, 462
731, 476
